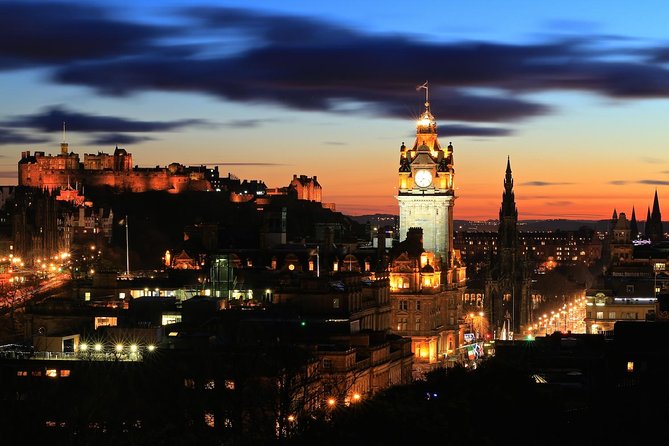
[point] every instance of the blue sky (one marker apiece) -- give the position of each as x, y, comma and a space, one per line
575, 92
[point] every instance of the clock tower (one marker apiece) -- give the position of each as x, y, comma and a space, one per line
426, 194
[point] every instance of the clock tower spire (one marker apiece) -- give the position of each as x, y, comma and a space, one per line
426, 187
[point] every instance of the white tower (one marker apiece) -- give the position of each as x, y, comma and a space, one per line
426, 192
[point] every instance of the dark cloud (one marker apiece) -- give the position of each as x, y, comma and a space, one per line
8, 174
236, 164
543, 183
619, 182
467, 130
52, 118
311, 64
246, 123
559, 203
654, 182
279, 29
658, 55
8, 136
651, 160
37, 33
118, 138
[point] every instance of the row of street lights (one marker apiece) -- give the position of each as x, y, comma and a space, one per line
98, 350
569, 318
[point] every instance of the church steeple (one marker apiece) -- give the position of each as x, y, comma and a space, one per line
656, 215
634, 227
614, 220
654, 229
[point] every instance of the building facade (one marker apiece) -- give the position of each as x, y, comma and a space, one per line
427, 277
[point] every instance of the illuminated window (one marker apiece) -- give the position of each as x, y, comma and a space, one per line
36, 373
189, 383
229, 384
404, 305
121, 295
209, 385
105, 322
52, 373
417, 324
311, 265
630, 366
401, 324
22, 373
612, 314
209, 419
64, 373
600, 315
171, 318
87, 295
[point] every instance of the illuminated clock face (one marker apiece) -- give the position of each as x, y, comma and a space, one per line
423, 178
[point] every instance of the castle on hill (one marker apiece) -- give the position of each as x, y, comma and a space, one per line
102, 169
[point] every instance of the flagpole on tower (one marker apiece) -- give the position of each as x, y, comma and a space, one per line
425, 86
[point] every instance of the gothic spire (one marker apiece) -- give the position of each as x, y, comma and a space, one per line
508, 208
656, 216
634, 227
614, 218
508, 179
656, 231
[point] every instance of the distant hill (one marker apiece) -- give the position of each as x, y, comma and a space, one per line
376, 219
491, 225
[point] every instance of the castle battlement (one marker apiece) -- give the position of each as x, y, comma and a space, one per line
106, 170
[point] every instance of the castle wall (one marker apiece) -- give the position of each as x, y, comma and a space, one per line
100, 170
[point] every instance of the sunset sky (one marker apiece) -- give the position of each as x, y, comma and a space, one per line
576, 93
